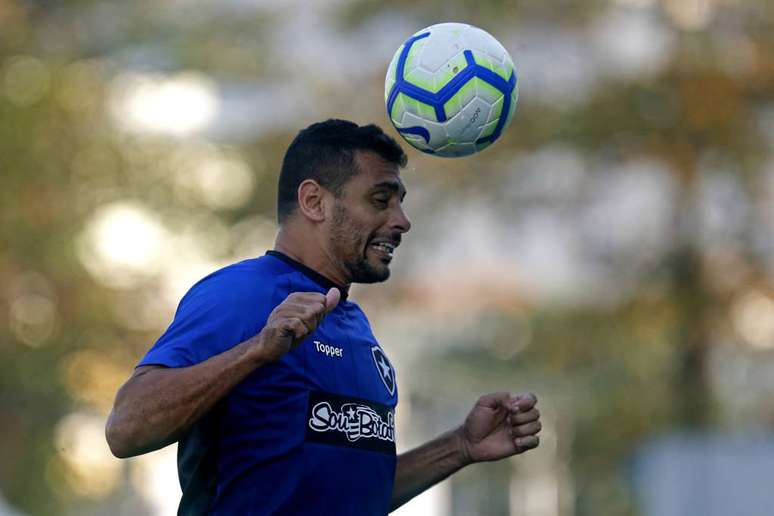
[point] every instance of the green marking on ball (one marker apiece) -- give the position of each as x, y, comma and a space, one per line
411, 57
391, 79
503, 71
416, 78
487, 62
489, 128
449, 70
434, 82
482, 59
460, 99
491, 95
513, 108
405, 103
397, 109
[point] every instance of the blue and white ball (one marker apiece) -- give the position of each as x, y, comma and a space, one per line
451, 90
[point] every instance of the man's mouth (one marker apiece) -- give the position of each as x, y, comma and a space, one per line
384, 248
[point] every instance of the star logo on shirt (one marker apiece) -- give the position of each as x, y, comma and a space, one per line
384, 368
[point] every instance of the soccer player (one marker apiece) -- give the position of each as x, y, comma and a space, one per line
269, 377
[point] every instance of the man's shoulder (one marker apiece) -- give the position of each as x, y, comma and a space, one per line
355, 308
265, 268
252, 279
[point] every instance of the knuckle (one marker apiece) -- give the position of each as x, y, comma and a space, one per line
312, 298
313, 316
281, 309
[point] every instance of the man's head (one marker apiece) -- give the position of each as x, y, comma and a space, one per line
340, 189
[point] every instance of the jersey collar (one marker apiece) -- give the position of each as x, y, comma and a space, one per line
310, 273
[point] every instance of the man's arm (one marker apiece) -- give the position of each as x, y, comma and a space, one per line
158, 404
500, 425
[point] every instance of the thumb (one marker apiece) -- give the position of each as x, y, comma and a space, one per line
495, 400
332, 299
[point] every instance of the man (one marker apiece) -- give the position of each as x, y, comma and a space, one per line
270, 378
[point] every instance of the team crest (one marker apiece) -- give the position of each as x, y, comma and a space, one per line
384, 368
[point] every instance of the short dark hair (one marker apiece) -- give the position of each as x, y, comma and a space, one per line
325, 152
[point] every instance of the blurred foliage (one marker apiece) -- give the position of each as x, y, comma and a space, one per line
617, 374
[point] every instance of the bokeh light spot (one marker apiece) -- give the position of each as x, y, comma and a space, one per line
122, 244
25, 80
753, 318
80, 443
92, 377
150, 103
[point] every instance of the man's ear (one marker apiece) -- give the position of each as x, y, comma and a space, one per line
312, 199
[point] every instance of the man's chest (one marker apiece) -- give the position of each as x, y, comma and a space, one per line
342, 357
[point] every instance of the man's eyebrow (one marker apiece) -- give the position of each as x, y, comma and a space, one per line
395, 186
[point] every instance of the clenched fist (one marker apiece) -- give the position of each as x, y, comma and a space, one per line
293, 320
500, 425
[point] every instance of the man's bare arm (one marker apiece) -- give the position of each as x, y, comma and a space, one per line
500, 425
158, 404
423, 467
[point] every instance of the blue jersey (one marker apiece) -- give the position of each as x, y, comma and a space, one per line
313, 433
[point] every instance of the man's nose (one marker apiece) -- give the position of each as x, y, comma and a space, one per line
401, 221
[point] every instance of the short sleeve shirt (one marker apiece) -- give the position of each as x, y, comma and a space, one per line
314, 432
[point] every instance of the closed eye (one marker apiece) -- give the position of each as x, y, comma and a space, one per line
387, 189
381, 200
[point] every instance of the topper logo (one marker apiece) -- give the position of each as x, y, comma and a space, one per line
327, 349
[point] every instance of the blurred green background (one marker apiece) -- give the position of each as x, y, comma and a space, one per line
613, 252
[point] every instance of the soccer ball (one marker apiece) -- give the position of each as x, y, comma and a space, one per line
451, 90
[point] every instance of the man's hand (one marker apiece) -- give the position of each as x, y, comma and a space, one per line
293, 320
500, 425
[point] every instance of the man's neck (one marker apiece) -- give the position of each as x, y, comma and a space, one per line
309, 253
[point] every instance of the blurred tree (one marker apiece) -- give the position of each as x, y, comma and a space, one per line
615, 372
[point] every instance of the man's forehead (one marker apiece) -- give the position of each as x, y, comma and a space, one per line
375, 171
